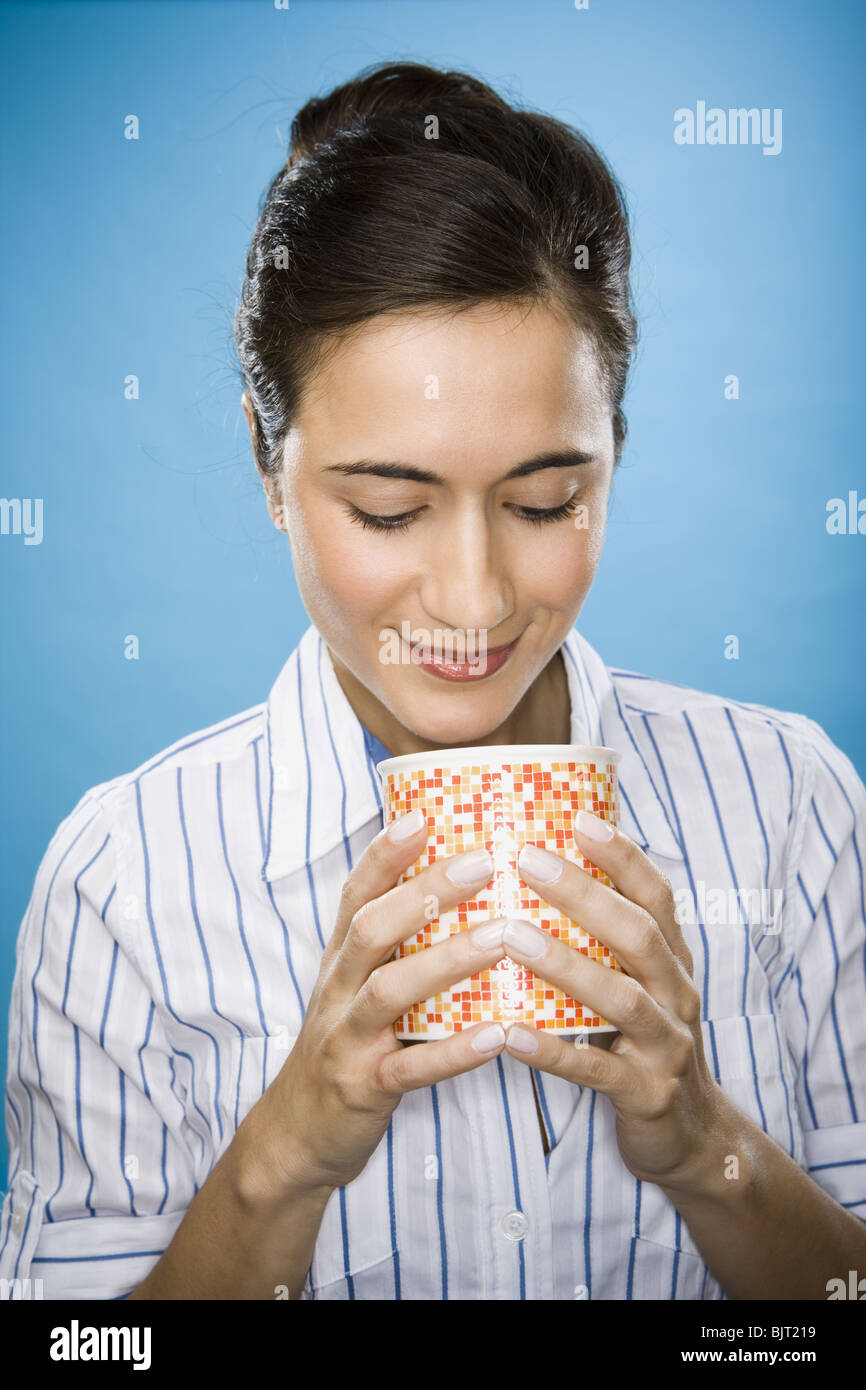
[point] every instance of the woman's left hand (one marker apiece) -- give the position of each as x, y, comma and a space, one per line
655, 1072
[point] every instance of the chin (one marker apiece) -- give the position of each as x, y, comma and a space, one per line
433, 721
457, 738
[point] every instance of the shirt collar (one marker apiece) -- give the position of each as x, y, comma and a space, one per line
321, 786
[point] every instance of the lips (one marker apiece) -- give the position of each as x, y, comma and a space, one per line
487, 663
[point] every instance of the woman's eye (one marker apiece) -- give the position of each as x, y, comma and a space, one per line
371, 522
539, 515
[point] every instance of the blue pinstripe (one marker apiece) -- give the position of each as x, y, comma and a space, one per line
515, 1179
587, 1213
36, 1013
154, 939
239, 909
835, 777
122, 1082
443, 1253
310, 879
279, 916
735, 880
336, 760
681, 841
200, 934
393, 1210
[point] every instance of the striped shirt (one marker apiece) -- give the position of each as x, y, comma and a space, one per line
174, 935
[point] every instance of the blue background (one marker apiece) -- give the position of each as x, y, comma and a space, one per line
127, 257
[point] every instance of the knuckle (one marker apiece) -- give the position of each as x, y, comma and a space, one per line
332, 1069
666, 888
690, 1005
347, 1091
646, 931
683, 1050
630, 999
319, 995
362, 928
593, 1063
390, 1075
378, 988
349, 900
661, 1096
346, 1084
328, 1052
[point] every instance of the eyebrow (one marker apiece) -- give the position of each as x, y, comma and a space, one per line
388, 468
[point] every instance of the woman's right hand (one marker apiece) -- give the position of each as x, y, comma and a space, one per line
327, 1109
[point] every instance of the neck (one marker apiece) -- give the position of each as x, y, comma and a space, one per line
542, 715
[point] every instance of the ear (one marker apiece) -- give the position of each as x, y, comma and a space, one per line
273, 490
251, 422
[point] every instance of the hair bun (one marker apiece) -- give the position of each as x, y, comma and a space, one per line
407, 88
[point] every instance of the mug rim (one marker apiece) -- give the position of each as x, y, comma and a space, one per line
502, 753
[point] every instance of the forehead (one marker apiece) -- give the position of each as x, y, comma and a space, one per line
482, 379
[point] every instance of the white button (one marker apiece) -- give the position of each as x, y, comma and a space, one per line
17, 1222
515, 1225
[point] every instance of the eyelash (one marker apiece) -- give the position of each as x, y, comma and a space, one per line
534, 515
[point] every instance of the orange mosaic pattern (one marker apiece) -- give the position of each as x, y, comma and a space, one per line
501, 807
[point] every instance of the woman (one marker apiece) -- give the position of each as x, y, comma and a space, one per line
206, 1097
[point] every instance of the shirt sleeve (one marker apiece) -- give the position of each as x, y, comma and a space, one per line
823, 996
99, 1174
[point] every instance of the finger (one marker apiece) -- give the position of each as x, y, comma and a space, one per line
388, 854
634, 874
626, 927
380, 924
611, 994
576, 1061
411, 1068
391, 989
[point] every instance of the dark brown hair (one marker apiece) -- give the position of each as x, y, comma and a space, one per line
371, 215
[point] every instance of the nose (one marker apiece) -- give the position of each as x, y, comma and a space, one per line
467, 582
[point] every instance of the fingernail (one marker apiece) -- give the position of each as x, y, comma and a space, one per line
489, 935
522, 1039
474, 867
407, 825
593, 826
525, 938
546, 867
489, 1038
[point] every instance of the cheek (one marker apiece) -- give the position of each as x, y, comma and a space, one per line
587, 531
552, 564
343, 570
592, 539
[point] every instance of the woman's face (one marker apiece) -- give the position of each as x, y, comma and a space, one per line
446, 423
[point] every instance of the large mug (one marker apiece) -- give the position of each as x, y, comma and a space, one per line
499, 798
